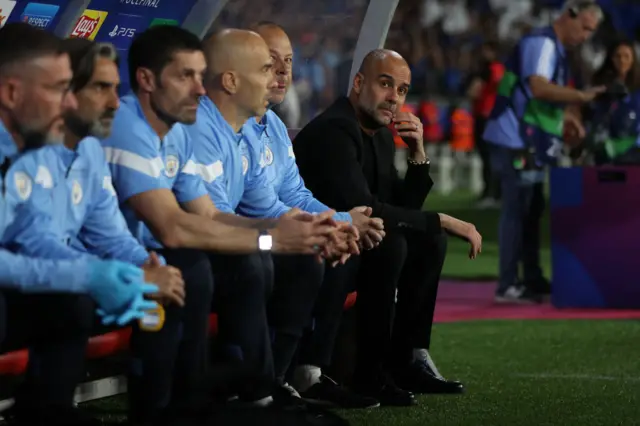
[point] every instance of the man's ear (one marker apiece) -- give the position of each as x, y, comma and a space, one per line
230, 82
10, 92
358, 82
146, 79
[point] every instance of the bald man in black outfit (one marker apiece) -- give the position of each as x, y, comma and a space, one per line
346, 157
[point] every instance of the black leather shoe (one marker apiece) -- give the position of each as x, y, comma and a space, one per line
327, 393
419, 378
383, 389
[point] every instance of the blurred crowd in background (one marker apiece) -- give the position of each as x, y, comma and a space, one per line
440, 39
324, 35
448, 44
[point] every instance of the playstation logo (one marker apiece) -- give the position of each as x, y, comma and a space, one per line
119, 31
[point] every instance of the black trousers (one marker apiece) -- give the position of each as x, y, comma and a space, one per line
169, 365
298, 280
55, 328
264, 305
318, 345
387, 331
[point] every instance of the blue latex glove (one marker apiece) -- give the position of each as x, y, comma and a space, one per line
115, 286
135, 311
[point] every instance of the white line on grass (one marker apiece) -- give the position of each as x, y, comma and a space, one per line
546, 376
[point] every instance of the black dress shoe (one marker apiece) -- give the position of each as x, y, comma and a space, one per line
418, 377
382, 388
328, 393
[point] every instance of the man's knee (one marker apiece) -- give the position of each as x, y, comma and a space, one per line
382, 266
302, 272
67, 312
297, 283
393, 248
250, 276
198, 277
198, 281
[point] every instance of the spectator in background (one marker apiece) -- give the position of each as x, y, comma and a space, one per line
483, 91
614, 119
512, 14
343, 70
619, 65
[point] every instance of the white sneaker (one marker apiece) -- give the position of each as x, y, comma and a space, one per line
488, 203
516, 295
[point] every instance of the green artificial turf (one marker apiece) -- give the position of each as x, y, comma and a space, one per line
560, 373
457, 265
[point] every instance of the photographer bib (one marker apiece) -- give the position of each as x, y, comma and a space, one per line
540, 123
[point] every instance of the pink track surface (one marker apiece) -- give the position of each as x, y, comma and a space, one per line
474, 301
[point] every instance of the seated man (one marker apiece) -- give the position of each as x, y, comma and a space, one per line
271, 147
224, 165
34, 77
88, 222
88, 218
351, 136
168, 209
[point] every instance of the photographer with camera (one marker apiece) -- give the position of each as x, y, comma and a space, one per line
613, 117
532, 113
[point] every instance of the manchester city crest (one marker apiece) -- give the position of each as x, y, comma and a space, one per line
24, 185
172, 164
268, 156
76, 193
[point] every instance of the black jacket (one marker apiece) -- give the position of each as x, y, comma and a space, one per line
329, 154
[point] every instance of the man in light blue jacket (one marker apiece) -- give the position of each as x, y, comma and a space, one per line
34, 80
271, 150
230, 178
168, 209
87, 220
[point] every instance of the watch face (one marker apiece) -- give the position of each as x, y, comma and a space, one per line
265, 242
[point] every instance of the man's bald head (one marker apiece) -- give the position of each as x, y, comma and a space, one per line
380, 87
230, 49
239, 64
373, 58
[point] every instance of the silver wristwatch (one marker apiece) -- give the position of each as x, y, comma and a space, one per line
265, 241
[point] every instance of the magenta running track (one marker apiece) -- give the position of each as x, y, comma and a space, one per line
471, 301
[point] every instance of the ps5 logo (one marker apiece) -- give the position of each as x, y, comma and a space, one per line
122, 32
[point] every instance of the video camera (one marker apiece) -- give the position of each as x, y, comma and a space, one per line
613, 132
616, 91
